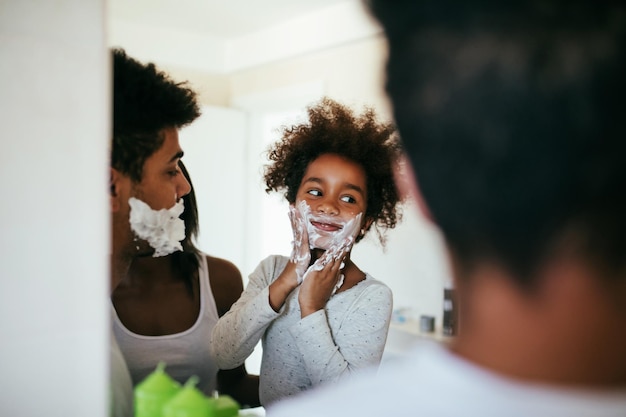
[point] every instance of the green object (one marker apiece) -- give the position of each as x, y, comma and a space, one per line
153, 392
189, 402
225, 406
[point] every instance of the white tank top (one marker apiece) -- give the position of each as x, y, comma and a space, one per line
185, 354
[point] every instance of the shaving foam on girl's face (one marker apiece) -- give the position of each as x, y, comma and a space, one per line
162, 229
326, 231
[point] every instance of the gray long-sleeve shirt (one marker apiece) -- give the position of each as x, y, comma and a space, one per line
349, 334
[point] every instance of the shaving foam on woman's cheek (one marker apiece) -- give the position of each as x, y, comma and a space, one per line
162, 229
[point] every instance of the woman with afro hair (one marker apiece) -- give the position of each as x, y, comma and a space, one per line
320, 317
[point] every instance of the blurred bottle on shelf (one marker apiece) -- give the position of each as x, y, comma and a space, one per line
450, 322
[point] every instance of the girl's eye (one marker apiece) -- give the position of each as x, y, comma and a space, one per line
348, 199
315, 193
173, 172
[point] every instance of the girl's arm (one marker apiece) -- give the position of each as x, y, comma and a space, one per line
237, 332
358, 344
227, 287
280, 289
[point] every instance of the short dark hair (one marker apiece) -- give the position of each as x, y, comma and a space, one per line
145, 101
512, 114
334, 128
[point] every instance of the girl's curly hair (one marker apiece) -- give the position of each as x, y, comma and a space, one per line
334, 128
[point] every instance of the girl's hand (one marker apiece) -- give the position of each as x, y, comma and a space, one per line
300, 252
283, 286
293, 274
323, 278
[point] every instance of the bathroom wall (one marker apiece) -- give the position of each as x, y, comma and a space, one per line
54, 240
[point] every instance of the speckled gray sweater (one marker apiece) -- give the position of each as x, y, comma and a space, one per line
346, 336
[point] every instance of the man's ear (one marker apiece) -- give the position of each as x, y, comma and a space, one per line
115, 182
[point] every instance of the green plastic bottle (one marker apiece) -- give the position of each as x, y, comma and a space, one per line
224, 406
153, 392
189, 402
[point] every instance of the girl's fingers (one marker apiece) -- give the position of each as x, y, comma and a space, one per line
332, 258
337, 263
339, 283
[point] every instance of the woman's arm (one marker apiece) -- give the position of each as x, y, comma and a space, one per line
358, 343
240, 385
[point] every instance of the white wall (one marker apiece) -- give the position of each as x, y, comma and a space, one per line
53, 218
214, 147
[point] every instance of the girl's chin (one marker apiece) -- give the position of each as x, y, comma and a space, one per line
321, 243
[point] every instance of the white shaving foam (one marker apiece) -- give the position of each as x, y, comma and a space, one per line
162, 229
326, 239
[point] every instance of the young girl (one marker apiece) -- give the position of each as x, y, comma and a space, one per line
320, 317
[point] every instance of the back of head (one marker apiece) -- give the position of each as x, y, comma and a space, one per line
511, 113
145, 101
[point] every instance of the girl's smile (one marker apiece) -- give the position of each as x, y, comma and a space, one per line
326, 227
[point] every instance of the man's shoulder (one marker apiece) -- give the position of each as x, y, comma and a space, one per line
435, 382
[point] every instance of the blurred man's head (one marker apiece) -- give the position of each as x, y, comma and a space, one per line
512, 115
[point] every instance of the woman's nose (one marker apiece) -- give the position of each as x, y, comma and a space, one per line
184, 187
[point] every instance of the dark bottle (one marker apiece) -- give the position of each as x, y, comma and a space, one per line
450, 312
